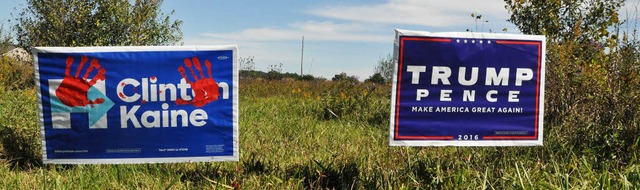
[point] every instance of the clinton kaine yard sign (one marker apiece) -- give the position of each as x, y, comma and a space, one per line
467, 89
138, 104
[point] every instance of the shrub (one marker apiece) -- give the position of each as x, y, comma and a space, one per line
592, 97
19, 129
376, 78
593, 83
355, 101
274, 75
344, 77
15, 75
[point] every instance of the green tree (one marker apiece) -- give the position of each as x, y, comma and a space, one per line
95, 23
592, 75
5, 41
376, 78
566, 20
577, 33
344, 77
385, 67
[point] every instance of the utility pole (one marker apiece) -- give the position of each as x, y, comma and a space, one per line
302, 57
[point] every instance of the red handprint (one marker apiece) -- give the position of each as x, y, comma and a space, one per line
73, 90
205, 89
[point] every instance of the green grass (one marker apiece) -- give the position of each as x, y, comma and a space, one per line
286, 144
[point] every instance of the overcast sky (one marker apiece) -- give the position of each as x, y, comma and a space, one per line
340, 36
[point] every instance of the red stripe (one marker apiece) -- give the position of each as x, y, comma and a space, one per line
538, 91
509, 137
427, 39
401, 50
426, 137
519, 42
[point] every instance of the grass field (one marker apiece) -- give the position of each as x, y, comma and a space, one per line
290, 140
319, 134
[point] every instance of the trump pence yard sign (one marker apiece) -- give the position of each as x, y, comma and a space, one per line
467, 89
137, 104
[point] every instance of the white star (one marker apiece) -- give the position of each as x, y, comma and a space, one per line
480, 41
489, 41
458, 40
473, 41
465, 41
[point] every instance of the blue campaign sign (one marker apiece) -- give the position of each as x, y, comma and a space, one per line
137, 104
467, 89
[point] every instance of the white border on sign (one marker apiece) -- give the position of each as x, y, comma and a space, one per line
235, 108
537, 142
